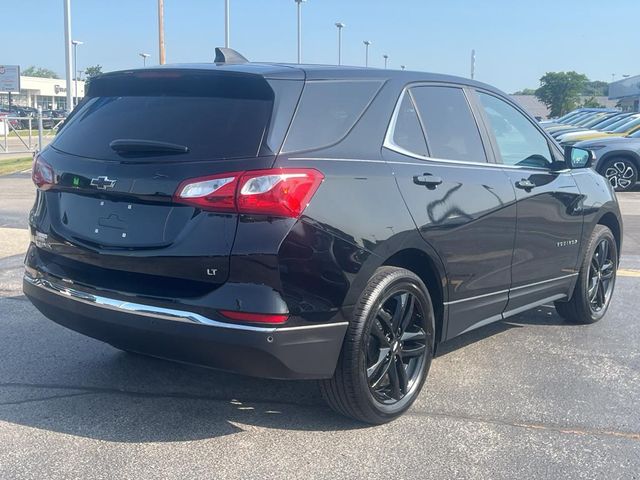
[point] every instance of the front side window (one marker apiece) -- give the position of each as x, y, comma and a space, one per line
519, 142
449, 125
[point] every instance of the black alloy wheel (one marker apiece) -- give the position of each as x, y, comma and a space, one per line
596, 280
397, 347
601, 275
387, 349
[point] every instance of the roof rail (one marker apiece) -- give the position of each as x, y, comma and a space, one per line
228, 55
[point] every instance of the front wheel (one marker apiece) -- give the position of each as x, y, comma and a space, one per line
596, 280
387, 349
621, 173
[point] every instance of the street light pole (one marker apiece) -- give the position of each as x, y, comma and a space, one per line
226, 24
473, 64
144, 58
75, 44
67, 52
299, 3
340, 26
161, 55
366, 52
402, 67
386, 59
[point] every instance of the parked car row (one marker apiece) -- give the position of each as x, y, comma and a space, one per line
50, 118
613, 135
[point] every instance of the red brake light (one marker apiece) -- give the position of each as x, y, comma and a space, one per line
217, 192
282, 192
254, 317
42, 174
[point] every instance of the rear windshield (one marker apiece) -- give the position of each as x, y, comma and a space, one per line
214, 115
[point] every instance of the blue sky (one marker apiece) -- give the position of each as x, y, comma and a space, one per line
516, 41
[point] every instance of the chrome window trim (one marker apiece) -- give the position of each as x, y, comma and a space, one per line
169, 314
390, 145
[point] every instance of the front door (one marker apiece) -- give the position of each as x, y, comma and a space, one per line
463, 205
548, 206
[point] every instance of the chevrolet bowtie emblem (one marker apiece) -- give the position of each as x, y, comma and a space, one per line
102, 183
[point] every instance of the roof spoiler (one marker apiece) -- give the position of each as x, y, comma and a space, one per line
228, 55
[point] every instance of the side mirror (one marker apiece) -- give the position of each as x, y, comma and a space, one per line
578, 157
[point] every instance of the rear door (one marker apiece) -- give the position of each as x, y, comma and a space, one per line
548, 204
463, 205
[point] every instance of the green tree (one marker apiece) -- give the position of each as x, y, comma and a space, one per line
91, 72
526, 91
560, 91
595, 88
34, 71
592, 102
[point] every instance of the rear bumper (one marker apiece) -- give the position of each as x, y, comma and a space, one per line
303, 352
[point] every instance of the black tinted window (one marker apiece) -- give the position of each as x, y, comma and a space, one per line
214, 116
451, 129
327, 111
407, 133
519, 141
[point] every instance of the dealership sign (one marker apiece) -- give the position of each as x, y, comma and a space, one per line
10, 78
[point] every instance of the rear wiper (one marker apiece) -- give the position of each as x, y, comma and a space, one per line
132, 145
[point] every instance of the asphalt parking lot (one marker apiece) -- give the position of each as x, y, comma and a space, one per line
529, 398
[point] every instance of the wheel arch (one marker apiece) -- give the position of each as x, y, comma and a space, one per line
432, 275
629, 154
610, 221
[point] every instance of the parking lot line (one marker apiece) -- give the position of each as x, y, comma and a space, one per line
628, 272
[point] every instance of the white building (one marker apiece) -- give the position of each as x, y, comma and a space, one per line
48, 93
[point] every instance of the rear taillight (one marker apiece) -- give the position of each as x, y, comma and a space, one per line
42, 174
282, 192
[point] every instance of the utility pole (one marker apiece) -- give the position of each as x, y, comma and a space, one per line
386, 59
227, 40
161, 55
473, 64
67, 52
340, 26
367, 43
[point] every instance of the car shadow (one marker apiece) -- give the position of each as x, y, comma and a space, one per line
60, 381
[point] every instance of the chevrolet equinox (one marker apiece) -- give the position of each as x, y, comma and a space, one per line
311, 222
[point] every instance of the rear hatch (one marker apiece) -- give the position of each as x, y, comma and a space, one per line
125, 150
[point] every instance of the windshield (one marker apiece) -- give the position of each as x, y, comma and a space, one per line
627, 126
635, 134
617, 124
610, 121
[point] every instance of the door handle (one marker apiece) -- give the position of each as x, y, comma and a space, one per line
525, 184
428, 180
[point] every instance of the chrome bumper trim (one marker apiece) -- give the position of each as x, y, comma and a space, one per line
153, 311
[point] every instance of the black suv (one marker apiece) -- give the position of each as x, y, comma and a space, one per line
311, 222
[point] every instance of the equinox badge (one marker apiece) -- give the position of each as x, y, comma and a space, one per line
102, 183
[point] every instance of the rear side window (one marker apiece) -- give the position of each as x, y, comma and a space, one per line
328, 110
450, 127
407, 133
215, 115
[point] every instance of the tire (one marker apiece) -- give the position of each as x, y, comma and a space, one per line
581, 309
621, 172
394, 311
